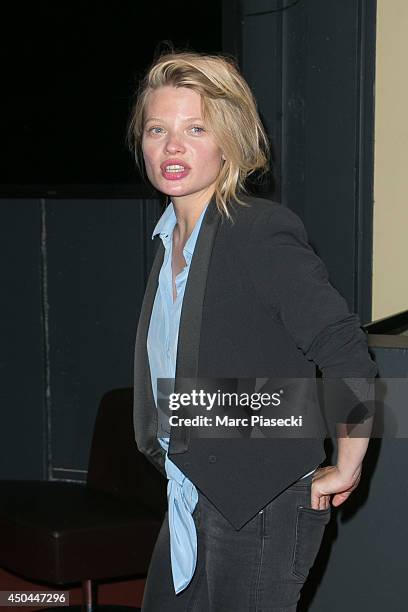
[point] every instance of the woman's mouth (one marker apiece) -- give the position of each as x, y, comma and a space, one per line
174, 172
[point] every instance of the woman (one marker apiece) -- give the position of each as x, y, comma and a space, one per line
235, 291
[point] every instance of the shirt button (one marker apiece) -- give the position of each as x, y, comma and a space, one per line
212, 459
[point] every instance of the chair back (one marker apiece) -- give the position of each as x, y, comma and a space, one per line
116, 466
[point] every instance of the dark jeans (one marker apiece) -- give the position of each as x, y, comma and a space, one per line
260, 568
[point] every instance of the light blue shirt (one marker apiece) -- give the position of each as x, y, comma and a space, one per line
162, 341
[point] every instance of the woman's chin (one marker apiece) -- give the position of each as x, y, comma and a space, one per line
171, 187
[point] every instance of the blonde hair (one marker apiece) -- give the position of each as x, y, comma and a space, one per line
229, 108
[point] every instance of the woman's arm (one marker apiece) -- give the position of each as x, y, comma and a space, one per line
350, 451
293, 281
341, 479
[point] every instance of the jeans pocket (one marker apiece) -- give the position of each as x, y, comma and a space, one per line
310, 526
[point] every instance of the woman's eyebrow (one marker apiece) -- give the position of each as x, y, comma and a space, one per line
186, 119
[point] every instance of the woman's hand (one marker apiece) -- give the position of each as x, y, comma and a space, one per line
329, 481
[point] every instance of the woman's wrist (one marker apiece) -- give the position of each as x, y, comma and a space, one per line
349, 473
350, 455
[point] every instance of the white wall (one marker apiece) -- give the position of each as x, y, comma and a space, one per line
390, 248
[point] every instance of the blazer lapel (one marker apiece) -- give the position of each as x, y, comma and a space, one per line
144, 412
191, 315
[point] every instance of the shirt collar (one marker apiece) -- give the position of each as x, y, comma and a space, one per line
166, 223
168, 220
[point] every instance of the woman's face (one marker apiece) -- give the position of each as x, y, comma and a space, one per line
181, 156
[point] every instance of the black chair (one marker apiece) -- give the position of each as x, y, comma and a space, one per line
61, 532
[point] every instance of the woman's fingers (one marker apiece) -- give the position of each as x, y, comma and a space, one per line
339, 498
325, 483
319, 501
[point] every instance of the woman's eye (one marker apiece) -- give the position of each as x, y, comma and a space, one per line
155, 130
196, 129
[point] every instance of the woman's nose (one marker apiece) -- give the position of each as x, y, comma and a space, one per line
174, 143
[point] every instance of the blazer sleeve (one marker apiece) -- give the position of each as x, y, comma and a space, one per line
293, 282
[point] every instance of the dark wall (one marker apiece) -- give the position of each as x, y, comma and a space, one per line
69, 72
73, 277
23, 418
311, 64
97, 261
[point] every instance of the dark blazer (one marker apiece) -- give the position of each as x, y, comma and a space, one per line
258, 303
